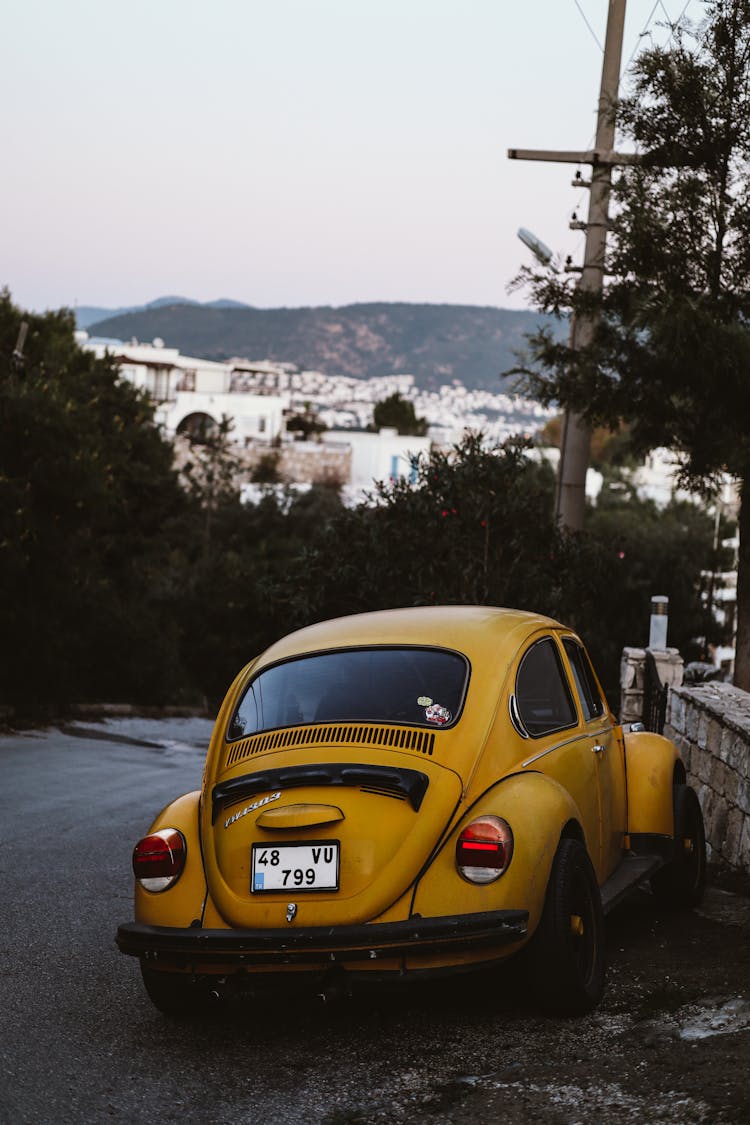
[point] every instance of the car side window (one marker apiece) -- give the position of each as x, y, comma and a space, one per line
583, 674
542, 694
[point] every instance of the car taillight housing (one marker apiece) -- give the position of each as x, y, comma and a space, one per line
484, 849
158, 859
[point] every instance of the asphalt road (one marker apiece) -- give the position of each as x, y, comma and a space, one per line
80, 1042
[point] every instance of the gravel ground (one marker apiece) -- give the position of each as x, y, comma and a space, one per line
670, 1043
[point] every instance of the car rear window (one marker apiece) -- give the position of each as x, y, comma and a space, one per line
418, 686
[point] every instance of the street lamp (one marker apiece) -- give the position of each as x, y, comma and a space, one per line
539, 249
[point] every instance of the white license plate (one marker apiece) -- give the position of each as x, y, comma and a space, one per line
295, 867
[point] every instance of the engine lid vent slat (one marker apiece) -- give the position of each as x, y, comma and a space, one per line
330, 734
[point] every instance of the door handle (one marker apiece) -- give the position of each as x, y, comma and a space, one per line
598, 749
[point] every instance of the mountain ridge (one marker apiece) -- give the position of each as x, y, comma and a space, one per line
436, 343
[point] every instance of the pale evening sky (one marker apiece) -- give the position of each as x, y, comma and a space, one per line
293, 152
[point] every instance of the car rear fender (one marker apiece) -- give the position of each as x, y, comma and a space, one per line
652, 764
183, 902
539, 812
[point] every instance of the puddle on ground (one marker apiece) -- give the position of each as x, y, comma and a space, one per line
724, 1019
603, 1101
694, 1023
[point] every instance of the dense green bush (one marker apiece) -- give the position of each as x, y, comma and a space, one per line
87, 499
478, 528
122, 582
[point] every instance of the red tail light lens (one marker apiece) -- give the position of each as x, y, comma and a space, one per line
158, 859
484, 849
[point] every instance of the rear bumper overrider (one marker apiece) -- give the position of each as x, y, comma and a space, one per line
186, 947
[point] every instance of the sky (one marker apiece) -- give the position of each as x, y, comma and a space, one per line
294, 152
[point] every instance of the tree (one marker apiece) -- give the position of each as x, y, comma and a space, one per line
307, 423
266, 470
398, 414
454, 535
88, 496
671, 354
211, 473
477, 526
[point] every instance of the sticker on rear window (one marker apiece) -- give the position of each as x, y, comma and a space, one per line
437, 714
424, 701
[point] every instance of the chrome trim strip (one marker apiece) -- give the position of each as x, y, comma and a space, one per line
565, 742
515, 718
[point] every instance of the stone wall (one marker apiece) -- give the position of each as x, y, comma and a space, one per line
710, 723
669, 668
305, 462
318, 462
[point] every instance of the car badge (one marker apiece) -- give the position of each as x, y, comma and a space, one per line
251, 808
291, 910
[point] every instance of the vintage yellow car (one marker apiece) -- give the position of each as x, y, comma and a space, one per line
411, 792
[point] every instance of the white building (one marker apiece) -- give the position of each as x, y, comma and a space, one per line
385, 455
191, 395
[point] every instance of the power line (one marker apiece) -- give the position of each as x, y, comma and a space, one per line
673, 25
642, 35
594, 36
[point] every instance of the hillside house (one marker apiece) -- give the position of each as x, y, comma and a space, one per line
191, 395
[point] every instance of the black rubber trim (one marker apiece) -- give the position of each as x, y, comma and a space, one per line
180, 947
408, 783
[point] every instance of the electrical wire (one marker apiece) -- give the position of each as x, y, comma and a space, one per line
594, 36
673, 26
642, 35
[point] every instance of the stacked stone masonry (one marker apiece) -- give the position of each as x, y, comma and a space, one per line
710, 724
669, 668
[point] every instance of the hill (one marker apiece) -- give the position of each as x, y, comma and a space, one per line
435, 343
86, 315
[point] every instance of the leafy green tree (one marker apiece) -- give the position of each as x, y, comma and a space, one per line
266, 470
243, 594
307, 423
451, 536
477, 527
399, 414
211, 474
87, 497
646, 550
671, 356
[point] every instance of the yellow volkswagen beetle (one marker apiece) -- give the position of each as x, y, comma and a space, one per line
411, 792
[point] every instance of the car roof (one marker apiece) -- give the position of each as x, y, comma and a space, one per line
473, 630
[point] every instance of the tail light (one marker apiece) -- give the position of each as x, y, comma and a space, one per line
484, 849
158, 859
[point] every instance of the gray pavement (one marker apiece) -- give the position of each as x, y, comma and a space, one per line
79, 1041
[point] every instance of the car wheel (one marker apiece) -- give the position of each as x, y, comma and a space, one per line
566, 953
681, 882
175, 994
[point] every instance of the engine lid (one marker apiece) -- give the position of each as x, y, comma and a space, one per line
387, 815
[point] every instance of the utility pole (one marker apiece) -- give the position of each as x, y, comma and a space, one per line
576, 436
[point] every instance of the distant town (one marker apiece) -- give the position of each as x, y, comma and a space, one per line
259, 398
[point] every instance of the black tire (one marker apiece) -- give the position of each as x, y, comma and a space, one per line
681, 882
175, 994
566, 953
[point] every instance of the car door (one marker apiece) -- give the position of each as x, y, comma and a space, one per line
559, 741
602, 741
